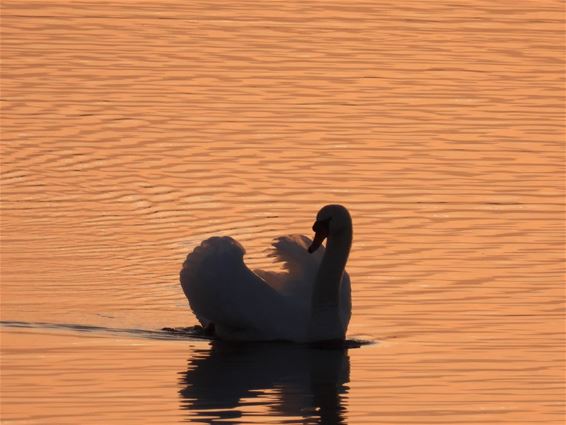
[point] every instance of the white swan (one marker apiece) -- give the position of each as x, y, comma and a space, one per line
308, 302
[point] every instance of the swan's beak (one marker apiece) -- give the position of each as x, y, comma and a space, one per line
320, 234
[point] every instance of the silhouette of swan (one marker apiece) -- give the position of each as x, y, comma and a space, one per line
308, 382
308, 302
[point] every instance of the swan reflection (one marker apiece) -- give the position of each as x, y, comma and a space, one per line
229, 381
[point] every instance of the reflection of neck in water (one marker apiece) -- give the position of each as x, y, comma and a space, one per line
308, 382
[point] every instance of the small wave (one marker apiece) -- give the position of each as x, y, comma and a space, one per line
164, 334
191, 333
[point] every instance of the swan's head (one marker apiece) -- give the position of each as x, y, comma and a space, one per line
331, 220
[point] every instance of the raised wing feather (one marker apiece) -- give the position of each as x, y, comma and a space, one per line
222, 290
297, 281
300, 266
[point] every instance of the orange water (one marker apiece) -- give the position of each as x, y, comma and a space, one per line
133, 130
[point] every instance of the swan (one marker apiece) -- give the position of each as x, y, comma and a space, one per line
310, 301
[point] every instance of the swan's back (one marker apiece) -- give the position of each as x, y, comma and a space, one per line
255, 305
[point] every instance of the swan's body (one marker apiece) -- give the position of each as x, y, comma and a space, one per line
309, 302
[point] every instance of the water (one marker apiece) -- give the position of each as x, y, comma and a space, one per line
130, 134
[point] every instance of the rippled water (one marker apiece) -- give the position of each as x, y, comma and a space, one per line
132, 132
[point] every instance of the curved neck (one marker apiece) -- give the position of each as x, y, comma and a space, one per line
325, 313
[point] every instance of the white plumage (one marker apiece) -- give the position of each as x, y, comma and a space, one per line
263, 305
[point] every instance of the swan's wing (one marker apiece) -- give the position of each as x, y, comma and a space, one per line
300, 272
300, 266
292, 251
222, 290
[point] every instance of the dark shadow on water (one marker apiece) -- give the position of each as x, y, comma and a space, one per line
305, 382
226, 380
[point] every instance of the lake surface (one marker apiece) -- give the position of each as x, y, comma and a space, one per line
132, 131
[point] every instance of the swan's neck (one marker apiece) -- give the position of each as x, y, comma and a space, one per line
326, 320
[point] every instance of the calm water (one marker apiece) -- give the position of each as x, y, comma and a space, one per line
133, 131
